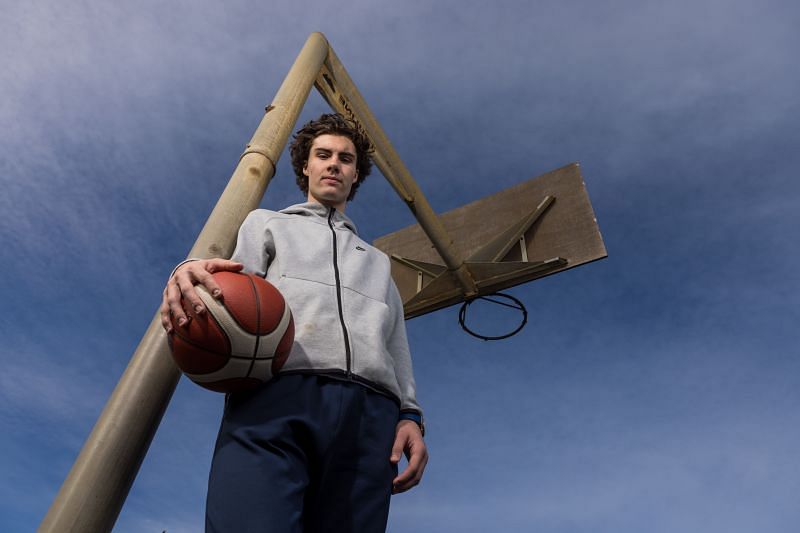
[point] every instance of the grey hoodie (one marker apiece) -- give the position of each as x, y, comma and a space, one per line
347, 311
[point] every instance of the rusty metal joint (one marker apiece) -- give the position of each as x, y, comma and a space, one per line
467, 282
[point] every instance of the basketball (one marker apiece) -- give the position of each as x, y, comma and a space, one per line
238, 343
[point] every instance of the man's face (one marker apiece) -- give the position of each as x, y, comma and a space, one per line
331, 170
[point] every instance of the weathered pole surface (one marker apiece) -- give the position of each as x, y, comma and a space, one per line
98, 483
342, 94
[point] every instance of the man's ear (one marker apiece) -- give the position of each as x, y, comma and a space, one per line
305, 168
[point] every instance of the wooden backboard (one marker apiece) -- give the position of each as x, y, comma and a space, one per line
562, 234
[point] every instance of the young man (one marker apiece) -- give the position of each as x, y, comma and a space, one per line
316, 448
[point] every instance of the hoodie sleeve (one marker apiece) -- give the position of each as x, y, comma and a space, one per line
254, 245
397, 344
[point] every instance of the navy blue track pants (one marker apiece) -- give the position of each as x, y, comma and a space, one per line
303, 454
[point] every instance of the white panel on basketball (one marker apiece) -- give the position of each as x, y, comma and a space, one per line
235, 368
262, 369
242, 342
269, 343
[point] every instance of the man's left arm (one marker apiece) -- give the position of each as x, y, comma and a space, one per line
408, 440
409, 431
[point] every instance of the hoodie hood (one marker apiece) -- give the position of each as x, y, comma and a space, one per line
320, 212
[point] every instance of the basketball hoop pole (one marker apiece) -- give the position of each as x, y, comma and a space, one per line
98, 483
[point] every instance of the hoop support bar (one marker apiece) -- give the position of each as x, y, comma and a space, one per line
338, 89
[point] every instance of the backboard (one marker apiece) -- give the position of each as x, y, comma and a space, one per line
536, 228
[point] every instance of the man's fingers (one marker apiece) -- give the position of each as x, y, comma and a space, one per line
173, 301
405, 481
180, 289
219, 265
164, 310
397, 449
412, 475
409, 479
205, 278
200, 272
411, 442
190, 297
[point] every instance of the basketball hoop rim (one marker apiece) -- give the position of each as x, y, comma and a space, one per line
462, 315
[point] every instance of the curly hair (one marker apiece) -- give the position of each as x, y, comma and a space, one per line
330, 124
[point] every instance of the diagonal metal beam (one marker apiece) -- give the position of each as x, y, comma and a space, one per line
431, 269
338, 89
498, 247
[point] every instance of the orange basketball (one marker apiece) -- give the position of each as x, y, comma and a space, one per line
238, 343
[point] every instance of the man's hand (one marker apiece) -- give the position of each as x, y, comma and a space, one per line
408, 440
182, 283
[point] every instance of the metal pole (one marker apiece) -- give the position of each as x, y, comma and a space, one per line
96, 487
338, 89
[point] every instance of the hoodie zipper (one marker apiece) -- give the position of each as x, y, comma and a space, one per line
339, 291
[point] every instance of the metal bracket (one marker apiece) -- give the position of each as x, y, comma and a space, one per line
486, 264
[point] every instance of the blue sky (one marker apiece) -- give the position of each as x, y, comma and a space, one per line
654, 391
